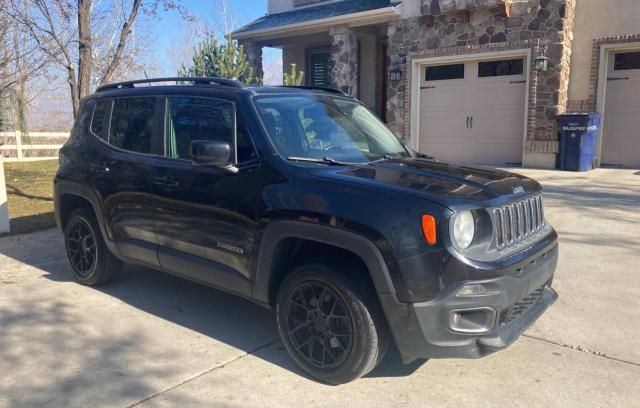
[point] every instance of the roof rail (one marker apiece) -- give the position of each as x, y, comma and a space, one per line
314, 88
195, 80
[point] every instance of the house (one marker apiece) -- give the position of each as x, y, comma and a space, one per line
464, 80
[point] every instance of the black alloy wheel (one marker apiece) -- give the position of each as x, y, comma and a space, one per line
91, 262
331, 321
319, 325
81, 248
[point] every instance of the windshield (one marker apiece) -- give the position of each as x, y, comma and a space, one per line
323, 126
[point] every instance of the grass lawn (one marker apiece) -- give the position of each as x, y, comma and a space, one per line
30, 195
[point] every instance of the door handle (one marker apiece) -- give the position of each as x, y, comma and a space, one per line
166, 182
467, 122
98, 168
471, 122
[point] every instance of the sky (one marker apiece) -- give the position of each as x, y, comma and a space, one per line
172, 31
172, 42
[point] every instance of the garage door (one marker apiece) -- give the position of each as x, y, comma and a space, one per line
621, 135
473, 112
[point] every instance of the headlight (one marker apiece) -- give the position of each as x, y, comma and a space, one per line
463, 229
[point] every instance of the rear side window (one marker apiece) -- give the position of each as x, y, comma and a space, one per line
132, 124
100, 117
189, 119
82, 122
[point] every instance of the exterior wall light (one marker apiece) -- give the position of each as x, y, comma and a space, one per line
396, 73
541, 61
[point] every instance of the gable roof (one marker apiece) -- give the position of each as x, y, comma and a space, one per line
314, 13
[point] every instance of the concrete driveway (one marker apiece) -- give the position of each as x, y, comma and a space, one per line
150, 339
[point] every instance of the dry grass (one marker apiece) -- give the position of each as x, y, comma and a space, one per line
30, 195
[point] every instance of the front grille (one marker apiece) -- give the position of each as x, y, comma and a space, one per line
510, 314
517, 221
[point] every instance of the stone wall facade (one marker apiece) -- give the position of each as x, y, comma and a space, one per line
344, 59
477, 26
435, 7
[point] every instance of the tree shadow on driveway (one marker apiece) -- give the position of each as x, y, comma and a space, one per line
230, 322
216, 314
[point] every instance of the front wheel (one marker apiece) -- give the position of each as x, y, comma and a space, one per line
331, 326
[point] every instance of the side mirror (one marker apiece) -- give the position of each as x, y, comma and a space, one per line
213, 153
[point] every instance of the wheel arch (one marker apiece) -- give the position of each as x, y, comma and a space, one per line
282, 239
68, 196
68, 204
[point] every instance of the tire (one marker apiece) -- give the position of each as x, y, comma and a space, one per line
91, 262
331, 325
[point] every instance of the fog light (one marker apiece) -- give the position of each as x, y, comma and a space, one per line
456, 318
472, 321
476, 290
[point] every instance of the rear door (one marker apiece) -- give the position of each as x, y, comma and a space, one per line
206, 218
120, 172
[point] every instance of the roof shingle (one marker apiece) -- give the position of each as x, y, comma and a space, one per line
314, 13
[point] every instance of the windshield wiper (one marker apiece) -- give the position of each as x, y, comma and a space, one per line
385, 158
324, 160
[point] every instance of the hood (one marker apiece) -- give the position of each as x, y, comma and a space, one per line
437, 181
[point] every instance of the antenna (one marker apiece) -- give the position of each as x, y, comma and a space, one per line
144, 71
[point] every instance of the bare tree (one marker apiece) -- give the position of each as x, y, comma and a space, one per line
66, 32
226, 17
19, 62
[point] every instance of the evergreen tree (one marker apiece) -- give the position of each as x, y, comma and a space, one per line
212, 59
204, 62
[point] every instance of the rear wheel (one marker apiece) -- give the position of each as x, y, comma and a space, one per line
91, 262
332, 327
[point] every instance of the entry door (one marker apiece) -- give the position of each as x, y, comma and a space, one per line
206, 218
621, 137
320, 69
474, 112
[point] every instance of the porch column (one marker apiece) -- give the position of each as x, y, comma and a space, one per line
344, 59
253, 51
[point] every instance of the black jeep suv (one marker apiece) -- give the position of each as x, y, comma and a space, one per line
301, 200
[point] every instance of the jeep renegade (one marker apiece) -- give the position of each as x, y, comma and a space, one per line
301, 200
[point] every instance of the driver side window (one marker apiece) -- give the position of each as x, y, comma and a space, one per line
188, 119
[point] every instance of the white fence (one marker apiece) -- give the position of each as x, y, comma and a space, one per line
32, 146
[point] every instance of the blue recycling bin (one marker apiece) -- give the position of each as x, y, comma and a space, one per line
578, 136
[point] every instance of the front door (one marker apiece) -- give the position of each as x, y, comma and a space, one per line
206, 218
320, 69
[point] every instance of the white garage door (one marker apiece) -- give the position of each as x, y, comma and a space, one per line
473, 112
621, 135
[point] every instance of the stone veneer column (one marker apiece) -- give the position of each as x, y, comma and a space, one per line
344, 59
253, 51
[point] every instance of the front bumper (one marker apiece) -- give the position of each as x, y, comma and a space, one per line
423, 330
